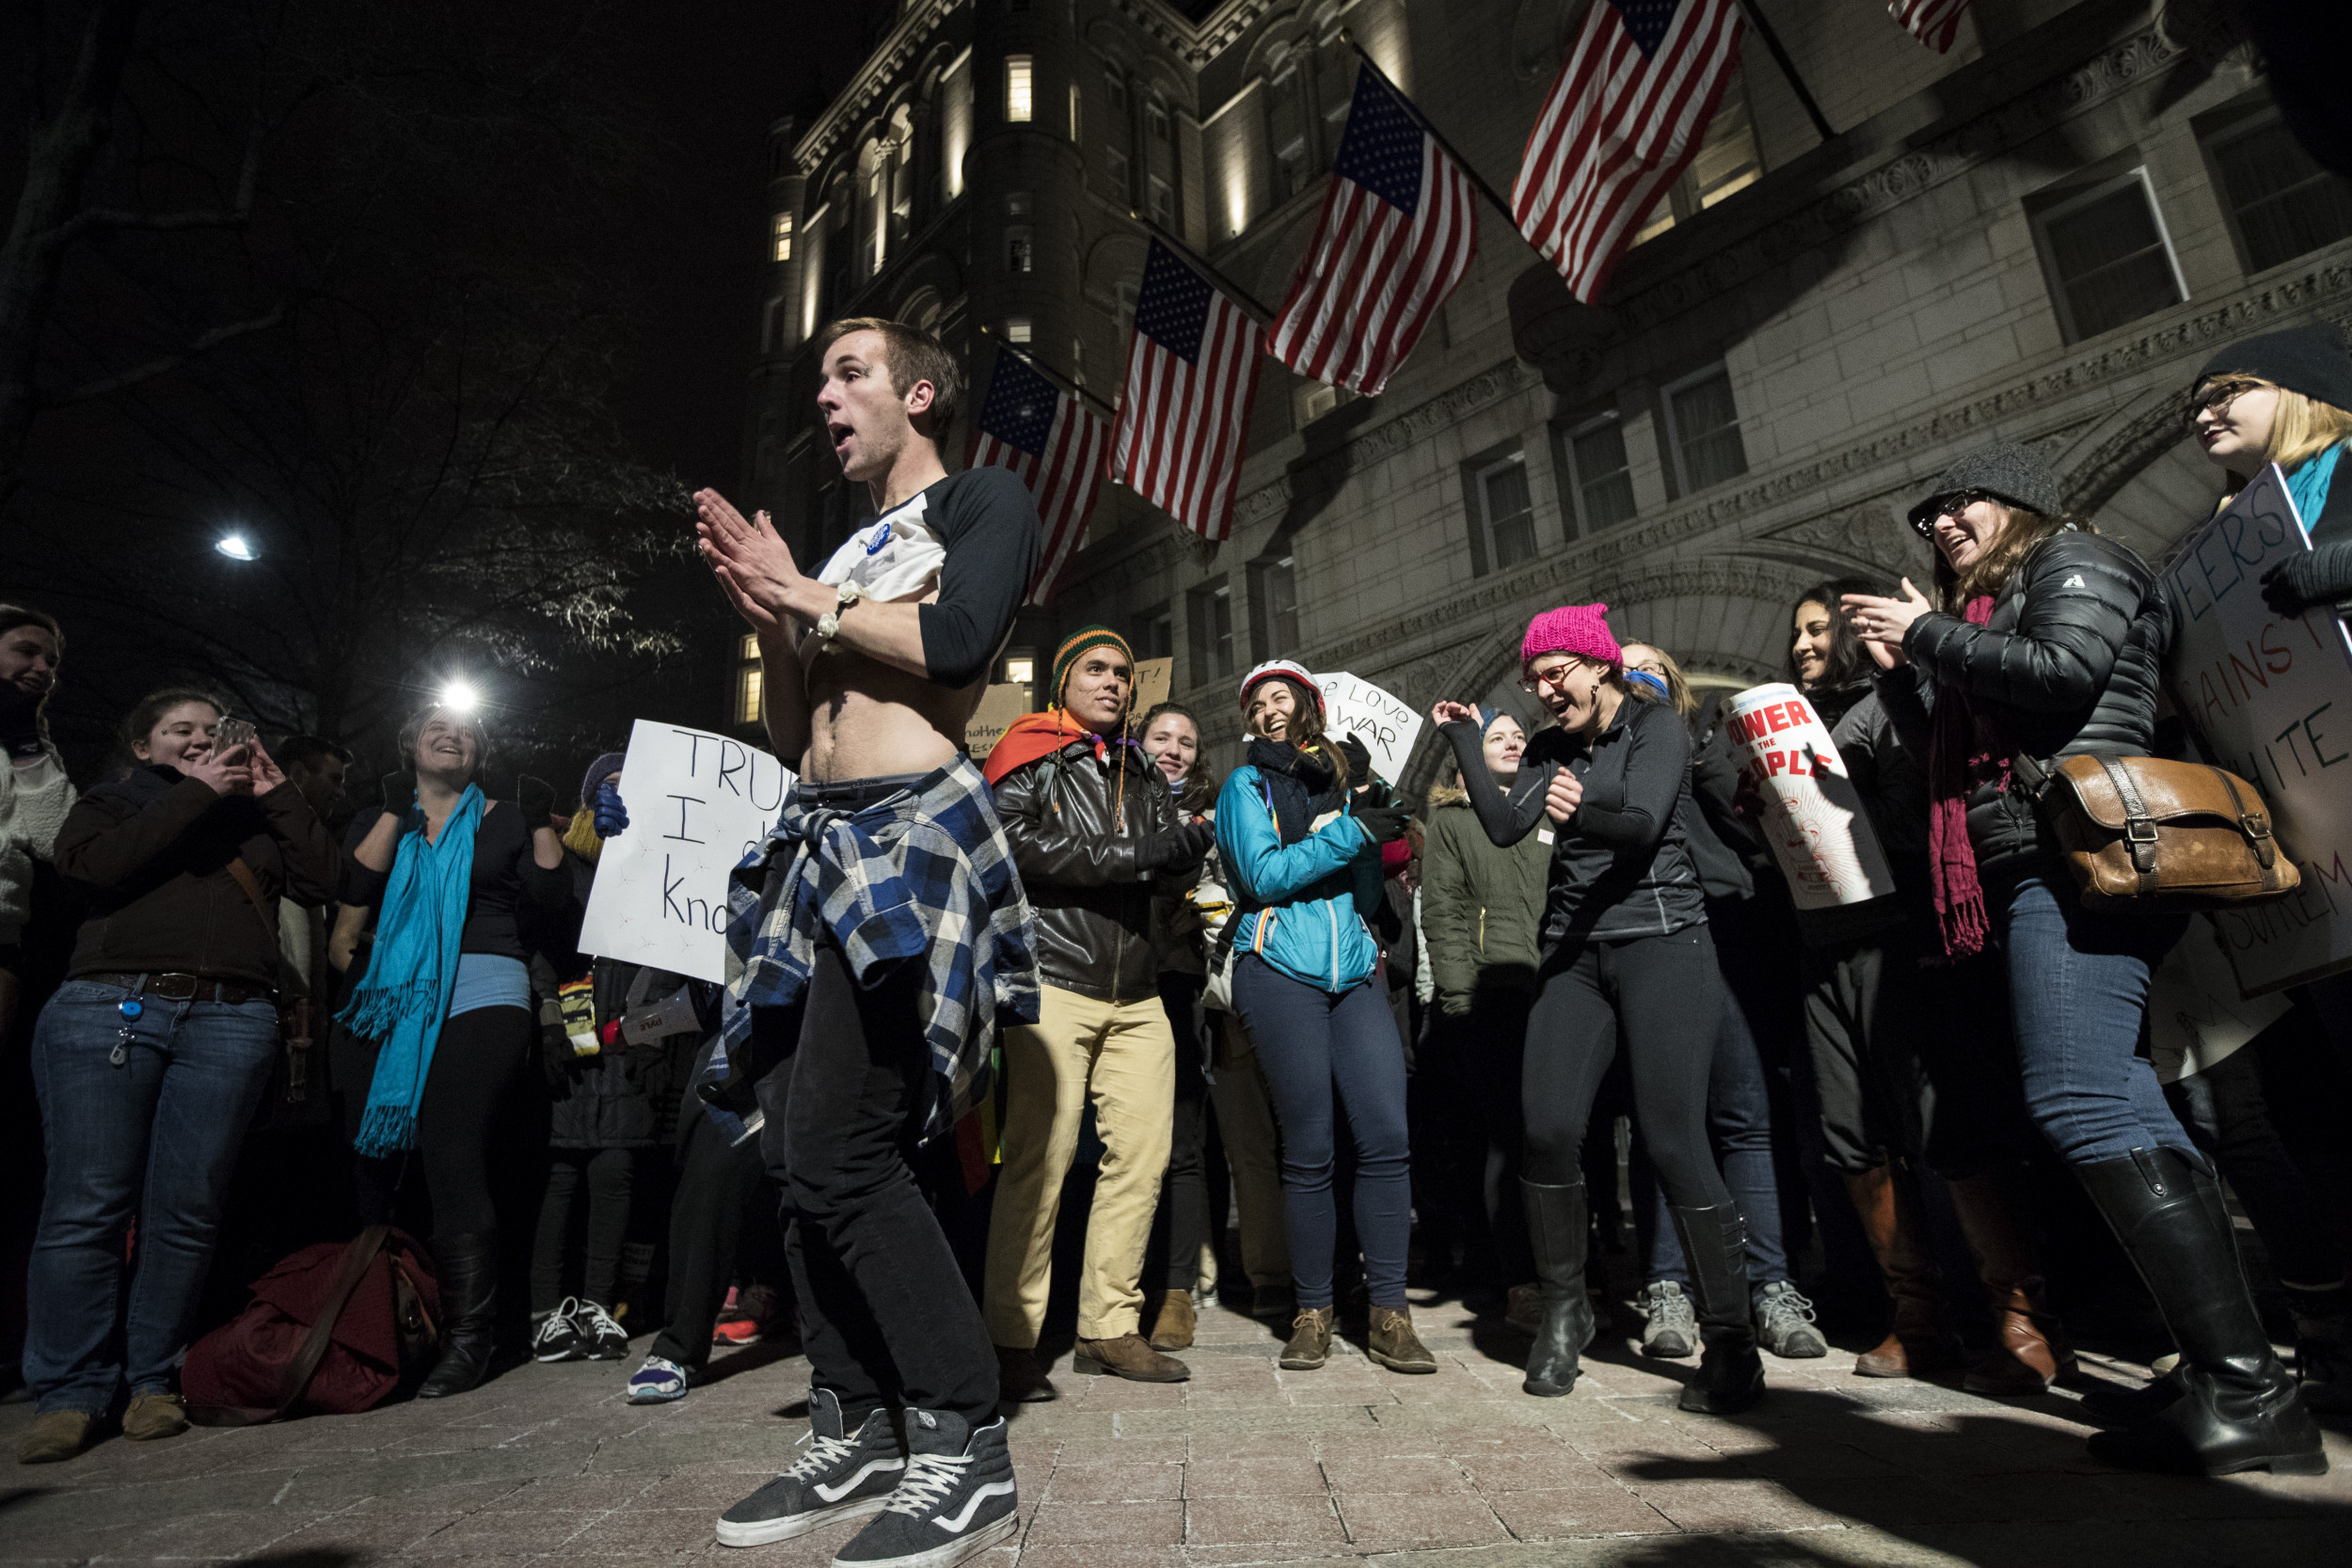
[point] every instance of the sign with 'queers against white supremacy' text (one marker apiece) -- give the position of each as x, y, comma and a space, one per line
697, 805
2271, 698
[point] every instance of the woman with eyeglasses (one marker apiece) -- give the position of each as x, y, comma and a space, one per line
2286, 398
2048, 643
1624, 955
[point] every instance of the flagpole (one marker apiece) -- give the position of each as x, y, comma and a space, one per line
1788, 68
1412, 108
1255, 310
1065, 383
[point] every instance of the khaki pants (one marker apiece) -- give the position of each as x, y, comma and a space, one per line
1244, 1120
1124, 1057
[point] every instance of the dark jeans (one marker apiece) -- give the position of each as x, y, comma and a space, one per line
885, 1314
718, 1194
1495, 1044
2078, 999
608, 1174
154, 1135
1663, 996
1739, 1123
1180, 1227
477, 1062
1324, 1056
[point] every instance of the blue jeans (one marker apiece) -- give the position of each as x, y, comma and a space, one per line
1323, 1053
1739, 1123
2078, 1002
154, 1135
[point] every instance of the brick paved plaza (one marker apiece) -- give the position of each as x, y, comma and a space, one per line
1244, 1464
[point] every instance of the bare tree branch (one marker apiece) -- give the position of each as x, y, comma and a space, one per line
107, 385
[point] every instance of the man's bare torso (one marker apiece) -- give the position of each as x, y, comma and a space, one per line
867, 721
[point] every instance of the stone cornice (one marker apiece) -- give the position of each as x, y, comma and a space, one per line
1883, 459
1196, 45
874, 79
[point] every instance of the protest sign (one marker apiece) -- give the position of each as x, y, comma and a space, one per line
2270, 698
1000, 705
1388, 728
697, 805
2195, 1015
1152, 678
1813, 815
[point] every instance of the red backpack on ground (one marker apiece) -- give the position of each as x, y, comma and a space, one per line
333, 1329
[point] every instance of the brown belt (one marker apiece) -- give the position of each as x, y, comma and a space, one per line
182, 987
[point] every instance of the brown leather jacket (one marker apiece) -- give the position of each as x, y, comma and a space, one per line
1082, 868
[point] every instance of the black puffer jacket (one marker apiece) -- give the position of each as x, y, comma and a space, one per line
2069, 664
1080, 866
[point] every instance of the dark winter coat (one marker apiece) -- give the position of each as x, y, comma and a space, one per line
1482, 904
151, 853
2070, 664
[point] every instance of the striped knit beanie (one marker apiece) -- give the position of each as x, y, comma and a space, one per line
1066, 656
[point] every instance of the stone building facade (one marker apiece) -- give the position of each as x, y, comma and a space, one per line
2035, 237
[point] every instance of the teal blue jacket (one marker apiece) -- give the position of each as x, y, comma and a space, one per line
1302, 906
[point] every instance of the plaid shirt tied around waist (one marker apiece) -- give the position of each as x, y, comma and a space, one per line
923, 874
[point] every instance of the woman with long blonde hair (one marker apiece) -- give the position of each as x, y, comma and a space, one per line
2286, 398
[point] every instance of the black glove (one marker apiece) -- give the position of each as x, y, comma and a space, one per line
400, 792
20, 721
1174, 848
1359, 760
1386, 824
2287, 588
537, 799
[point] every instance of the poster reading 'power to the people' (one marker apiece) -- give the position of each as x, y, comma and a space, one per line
1813, 815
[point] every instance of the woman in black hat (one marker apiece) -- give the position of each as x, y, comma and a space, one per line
2049, 643
2286, 398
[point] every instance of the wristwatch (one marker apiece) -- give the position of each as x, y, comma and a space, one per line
828, 625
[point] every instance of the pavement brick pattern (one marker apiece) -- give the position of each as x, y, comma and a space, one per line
1245, 1465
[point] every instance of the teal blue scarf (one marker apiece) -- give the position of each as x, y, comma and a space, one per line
2310, 483
404, 997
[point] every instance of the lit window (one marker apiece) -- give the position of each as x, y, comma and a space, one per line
747, 681
1727, 161
1705, 424
1506, 510
1602, 477
780, 235
1211, 612
2107, 256
1274, 606
2284, 204
1077, 114
1018, 103
1017, 203
1017, 329
1020, 249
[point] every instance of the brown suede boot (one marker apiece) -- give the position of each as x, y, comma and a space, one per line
1173, 1328
154, 1415
1394, 1344
1022, 1378
2030, 1351
1310, 1344
1129, 1357
1887, 1200
58, 1434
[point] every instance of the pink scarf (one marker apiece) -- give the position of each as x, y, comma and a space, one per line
1965, 749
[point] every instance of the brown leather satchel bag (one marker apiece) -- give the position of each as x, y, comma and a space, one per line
2147, 833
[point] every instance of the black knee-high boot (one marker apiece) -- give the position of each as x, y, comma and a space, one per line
1731, 1374
1558, 1229
2238, 1407
468, 1268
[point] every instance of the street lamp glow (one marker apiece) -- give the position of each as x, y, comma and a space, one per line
235, 547
460, 697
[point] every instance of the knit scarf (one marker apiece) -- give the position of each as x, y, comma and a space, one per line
1965, 749
1299, 785
1041, 734
404, 997
2310, 483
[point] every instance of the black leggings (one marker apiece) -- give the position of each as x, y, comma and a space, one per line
608, 1174
476, 1064
1664, 995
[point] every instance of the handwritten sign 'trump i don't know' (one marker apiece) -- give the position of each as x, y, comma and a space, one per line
697, 805
1813, 815
2272, 698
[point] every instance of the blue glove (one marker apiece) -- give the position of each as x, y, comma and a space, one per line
611, 816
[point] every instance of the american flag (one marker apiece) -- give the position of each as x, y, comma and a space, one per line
1397, 235
1624, 118
1931, 21
1054, 443
1191, 367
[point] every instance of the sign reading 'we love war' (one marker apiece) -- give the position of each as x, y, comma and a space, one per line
2270, 696
1812, 814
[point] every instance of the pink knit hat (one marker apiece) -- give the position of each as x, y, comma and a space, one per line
1582, 629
